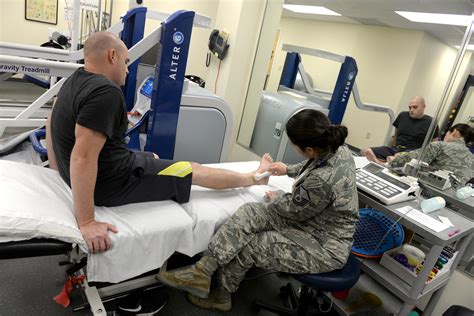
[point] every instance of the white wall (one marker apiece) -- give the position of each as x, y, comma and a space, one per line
430, 73
14, 28
243, 19
266, 40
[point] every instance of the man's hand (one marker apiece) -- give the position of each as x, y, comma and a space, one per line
278, 169
96, 236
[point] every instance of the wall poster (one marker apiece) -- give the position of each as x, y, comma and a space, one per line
45, 11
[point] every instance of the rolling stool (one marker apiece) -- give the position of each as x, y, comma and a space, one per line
335, 281
457, 310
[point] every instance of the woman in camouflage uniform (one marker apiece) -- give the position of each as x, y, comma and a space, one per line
450, 154
309, 230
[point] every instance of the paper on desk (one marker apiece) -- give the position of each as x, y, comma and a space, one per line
405, 209
426, 220
445, 220
361, 162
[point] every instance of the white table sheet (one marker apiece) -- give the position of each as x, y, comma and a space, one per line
149, 233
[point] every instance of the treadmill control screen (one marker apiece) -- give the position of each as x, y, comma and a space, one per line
147, 88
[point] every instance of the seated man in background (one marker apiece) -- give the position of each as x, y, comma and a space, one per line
410, 131
451, 154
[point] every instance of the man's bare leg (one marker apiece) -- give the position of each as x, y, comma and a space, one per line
218, 179
369, 154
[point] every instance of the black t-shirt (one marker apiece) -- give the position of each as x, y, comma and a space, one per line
411, 132
94, 102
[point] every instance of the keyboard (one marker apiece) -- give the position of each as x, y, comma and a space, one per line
379, 183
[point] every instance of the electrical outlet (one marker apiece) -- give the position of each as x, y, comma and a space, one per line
368, 135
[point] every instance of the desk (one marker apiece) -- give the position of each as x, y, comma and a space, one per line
410, 295
464, 207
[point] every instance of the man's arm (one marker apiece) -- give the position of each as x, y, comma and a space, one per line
83, 171
394, 138
396, 124
436, 134
49, 144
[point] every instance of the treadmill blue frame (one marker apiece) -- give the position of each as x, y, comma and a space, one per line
170, 68
290, 70
132, 33
342, 90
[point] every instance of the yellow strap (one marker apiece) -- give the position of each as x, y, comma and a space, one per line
179, 169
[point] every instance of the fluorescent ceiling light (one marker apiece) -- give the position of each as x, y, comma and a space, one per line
469, 47
436, 18
309, 9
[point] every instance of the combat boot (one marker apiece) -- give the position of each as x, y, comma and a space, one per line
195, 279
219, 299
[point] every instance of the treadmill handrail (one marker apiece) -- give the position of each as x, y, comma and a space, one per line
17, 55
24, 50
144, 44
314, 52
355, 91
199, 20
56, 68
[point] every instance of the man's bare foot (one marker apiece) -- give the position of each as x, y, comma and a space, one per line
369, 154
265, 163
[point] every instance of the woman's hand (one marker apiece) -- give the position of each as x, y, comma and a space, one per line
278, 169
271, 194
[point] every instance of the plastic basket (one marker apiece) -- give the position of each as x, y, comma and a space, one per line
370, 229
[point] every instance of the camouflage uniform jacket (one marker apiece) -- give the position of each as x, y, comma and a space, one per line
322, 207
452, 156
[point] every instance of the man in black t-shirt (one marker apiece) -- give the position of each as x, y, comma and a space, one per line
85, 139
411, 128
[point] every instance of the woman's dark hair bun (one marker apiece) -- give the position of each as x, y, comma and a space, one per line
337, 134
465, 130
311, 128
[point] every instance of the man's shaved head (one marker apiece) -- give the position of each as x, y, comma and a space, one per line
420, 100
98, 44
106, 54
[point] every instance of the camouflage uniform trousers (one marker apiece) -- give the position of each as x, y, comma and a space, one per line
248, 239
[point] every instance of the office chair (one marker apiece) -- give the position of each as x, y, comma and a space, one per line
335, 281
